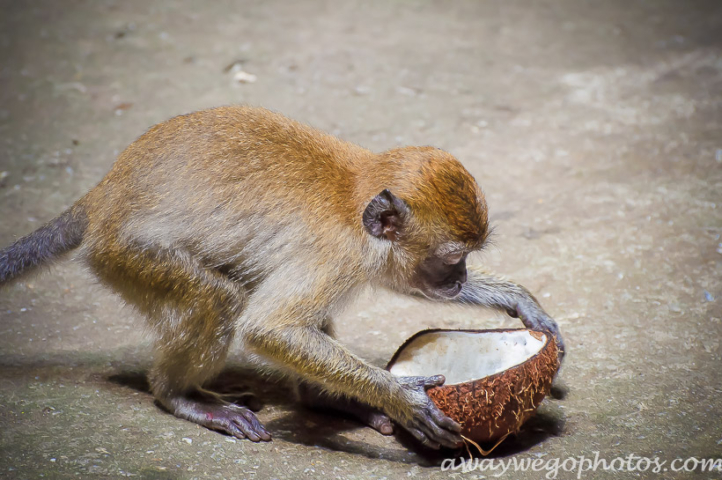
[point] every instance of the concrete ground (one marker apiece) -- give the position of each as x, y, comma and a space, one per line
595, 129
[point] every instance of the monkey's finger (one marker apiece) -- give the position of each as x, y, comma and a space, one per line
439, 435
443, 421
548, 325
444, 429
446, 438
435, 381
561, 347
435, 435
423, 438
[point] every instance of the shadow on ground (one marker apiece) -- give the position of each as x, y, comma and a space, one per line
330, 426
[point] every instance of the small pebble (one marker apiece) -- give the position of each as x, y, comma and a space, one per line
244, 77
189, 441
708, 296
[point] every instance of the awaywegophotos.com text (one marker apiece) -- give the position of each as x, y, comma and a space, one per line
580, 465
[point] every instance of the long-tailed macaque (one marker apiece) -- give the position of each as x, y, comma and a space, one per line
237, 221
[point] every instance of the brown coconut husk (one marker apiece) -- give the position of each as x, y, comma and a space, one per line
490, 409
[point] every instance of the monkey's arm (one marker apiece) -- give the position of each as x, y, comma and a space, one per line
293, 340
484, 289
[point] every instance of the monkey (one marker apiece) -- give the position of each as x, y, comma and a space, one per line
239, 223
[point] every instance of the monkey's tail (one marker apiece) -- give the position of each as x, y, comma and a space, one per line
56, 237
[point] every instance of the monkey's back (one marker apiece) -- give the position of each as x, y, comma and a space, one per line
218, 180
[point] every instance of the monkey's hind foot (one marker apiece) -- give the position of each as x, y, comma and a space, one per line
365, 414
373, 418
211, 411
369, 416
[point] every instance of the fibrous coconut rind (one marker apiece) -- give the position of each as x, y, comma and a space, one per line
497, 405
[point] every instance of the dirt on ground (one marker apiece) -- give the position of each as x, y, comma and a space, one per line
594, 128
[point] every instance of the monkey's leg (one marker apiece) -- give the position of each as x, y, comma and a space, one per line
193, 311
313, 398
484, 289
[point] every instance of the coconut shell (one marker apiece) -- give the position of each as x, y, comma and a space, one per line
492, 407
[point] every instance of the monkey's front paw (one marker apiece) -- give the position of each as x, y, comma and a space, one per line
429, 424
229, 418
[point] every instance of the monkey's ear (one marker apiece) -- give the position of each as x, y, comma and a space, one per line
384, 215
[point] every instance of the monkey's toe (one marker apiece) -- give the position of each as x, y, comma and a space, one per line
371, 417
231, 419
381, 423
242, 423
237, 421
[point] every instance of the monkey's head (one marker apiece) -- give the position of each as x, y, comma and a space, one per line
434, 214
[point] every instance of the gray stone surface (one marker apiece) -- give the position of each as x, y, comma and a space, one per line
595, 129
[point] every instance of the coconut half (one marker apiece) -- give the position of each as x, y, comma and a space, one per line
495, 379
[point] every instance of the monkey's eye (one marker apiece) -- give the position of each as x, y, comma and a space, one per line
454, 258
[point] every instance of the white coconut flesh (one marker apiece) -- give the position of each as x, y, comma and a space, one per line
465, 356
